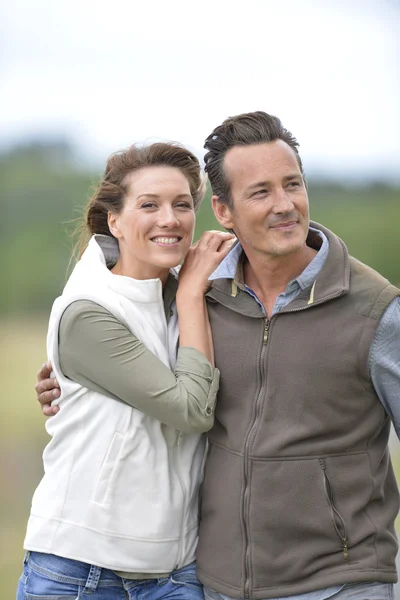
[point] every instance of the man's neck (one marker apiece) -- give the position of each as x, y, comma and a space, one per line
269, 277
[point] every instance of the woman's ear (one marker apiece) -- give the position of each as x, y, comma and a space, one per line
113, 221
222, 213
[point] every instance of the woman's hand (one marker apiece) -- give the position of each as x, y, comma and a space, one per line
201, 260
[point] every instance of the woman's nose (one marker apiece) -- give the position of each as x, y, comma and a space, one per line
168, 217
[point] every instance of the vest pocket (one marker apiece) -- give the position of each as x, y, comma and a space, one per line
291, 519
338, 522
108, 469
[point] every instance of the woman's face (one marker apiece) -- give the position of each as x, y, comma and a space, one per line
155, 227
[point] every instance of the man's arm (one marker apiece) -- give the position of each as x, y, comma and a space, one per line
47, 389
384, 362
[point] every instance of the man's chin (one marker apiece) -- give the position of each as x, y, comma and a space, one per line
289, 249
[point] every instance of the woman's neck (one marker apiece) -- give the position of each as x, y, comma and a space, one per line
140, 273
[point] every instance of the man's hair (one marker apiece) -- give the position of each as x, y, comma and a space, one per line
243, 130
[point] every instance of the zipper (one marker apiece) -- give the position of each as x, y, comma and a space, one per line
337, 520
266, 330
247, 444
249, 439
177, 471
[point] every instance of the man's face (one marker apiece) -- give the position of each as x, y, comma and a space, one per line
270, 204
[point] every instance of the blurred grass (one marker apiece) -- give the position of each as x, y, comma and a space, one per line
22, 438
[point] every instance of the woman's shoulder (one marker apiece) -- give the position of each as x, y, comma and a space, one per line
81, 308
77, 315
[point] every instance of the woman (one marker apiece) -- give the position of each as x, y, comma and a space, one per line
115, 514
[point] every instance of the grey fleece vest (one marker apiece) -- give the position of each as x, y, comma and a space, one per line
299, 492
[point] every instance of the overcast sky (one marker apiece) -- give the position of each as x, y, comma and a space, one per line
110, 73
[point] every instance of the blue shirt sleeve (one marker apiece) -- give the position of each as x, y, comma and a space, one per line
384, 362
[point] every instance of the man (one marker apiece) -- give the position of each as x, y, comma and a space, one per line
299, 497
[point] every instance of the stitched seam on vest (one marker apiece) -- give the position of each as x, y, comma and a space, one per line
360, 368
394, 293
116, 535
373, 571
306, 457
235, 452
365, 369
366, 514
286, 458
323, 578
210, 578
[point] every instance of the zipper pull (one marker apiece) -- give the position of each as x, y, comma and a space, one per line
266, 329
345, 549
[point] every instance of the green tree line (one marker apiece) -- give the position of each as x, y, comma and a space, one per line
44, 190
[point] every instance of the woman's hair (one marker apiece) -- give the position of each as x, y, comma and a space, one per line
110, 193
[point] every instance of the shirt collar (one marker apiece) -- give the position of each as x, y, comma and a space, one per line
230, 267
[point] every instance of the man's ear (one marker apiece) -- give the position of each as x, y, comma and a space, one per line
222, 213
112, 220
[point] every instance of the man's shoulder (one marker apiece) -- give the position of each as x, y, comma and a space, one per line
365, 272
373, 290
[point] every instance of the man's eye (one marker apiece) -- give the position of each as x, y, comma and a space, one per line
260, 193
294, 184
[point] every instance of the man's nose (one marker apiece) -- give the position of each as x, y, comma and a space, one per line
282, 202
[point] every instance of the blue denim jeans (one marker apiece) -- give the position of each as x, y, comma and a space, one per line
50, 577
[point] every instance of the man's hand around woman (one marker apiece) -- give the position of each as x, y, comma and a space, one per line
47, 389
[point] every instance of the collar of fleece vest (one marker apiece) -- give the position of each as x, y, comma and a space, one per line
92, 273
331, 282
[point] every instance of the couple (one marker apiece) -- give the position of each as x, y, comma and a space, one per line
299, 497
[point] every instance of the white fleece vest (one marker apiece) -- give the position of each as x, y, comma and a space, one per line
120, 488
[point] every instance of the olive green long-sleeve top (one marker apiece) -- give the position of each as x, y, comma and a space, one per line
100, 353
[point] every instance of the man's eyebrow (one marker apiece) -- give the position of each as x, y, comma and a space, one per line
293, 176
259, 184
253, 186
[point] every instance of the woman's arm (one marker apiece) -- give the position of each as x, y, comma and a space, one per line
201, 260
99, 352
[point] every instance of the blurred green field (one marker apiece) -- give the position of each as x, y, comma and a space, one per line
22, 438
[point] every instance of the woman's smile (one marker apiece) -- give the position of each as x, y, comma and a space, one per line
166, 241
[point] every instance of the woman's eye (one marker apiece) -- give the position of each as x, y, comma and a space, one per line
185, 205
148, 205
